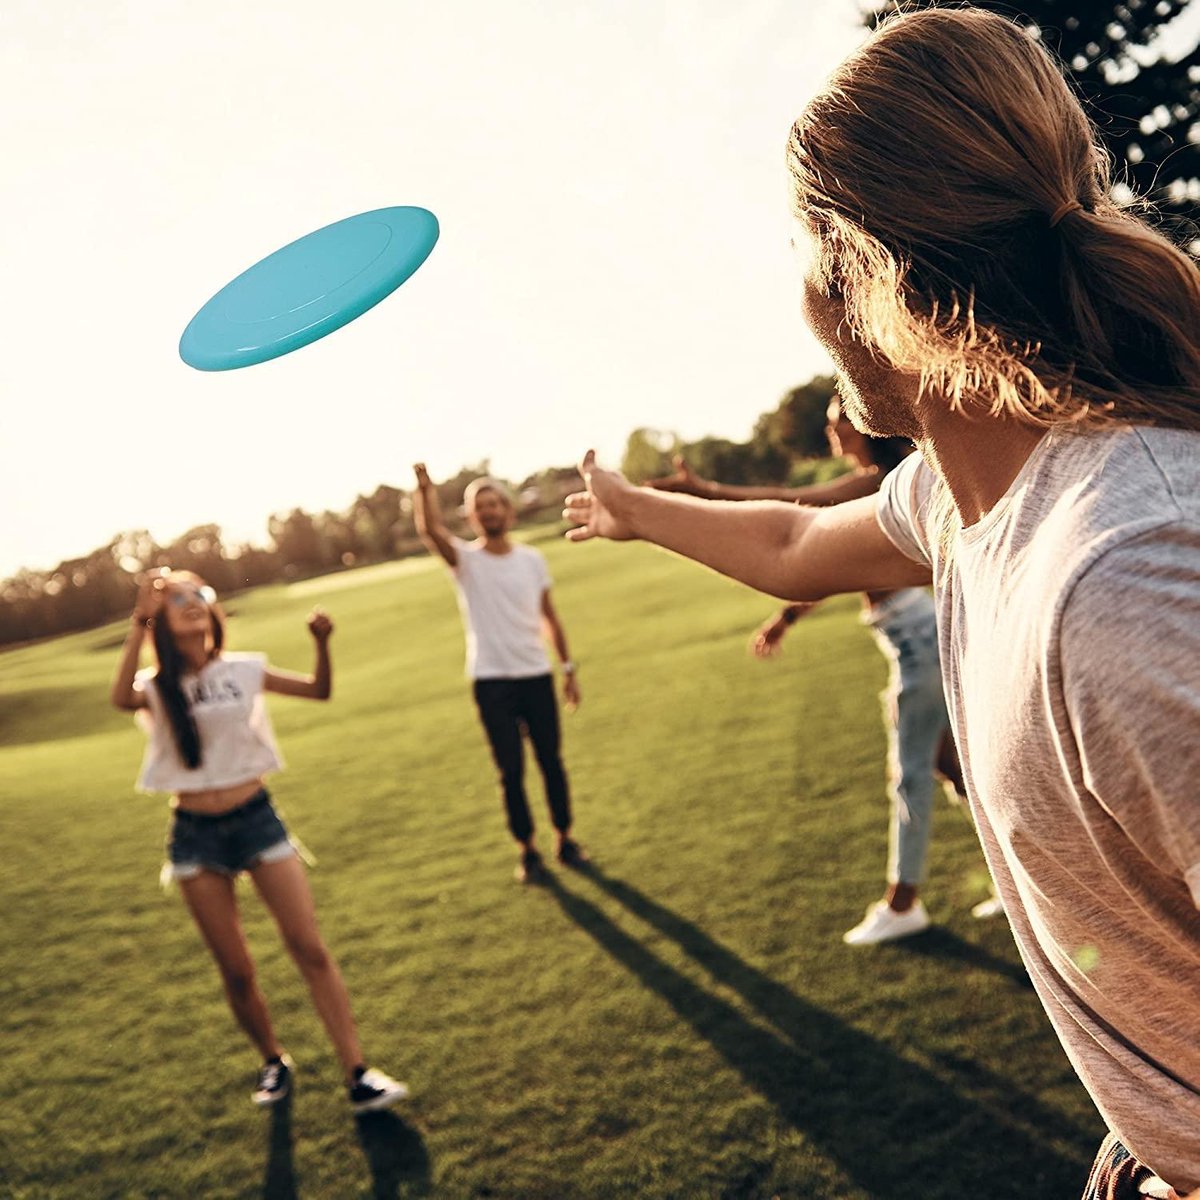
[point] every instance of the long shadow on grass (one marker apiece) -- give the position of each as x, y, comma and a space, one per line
941, 943
279, 1183
894, 1127
396, 1155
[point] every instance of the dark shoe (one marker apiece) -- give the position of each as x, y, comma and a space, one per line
274, 1082
531, 869
572, 854
375, 1090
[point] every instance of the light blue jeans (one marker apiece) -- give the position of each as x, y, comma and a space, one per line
905, 627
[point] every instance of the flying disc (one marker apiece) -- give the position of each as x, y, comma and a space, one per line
309, 288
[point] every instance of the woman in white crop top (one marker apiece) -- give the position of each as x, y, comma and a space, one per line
210, 744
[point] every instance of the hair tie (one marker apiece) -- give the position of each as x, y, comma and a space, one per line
1067, 206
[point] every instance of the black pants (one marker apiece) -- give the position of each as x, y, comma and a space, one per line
507, 707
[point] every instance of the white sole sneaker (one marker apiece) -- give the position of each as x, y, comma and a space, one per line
263, 1098
993, 906
387, 1091
884, 924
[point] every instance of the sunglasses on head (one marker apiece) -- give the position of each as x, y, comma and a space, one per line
181, 597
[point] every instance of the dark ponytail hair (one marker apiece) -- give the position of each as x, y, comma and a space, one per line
170, 667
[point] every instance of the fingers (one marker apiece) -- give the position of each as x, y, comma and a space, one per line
319, 623
581, 534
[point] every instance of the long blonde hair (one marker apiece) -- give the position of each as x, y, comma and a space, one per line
960, 203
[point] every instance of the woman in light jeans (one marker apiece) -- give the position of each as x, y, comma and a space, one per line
920, 745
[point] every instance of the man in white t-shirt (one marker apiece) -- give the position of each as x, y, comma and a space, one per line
504, 596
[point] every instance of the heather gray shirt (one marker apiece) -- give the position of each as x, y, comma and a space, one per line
1069, 623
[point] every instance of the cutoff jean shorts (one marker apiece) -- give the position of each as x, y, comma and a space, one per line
228, 843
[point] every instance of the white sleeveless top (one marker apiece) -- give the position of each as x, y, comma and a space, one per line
237, 743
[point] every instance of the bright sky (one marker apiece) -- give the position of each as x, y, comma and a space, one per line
609, 179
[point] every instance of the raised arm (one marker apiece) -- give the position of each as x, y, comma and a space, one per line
787, 550
148, 605
427, 513
318, 685
850, 486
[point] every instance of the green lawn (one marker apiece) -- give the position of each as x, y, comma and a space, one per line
683, 1022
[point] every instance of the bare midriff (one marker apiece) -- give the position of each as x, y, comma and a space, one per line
215, 801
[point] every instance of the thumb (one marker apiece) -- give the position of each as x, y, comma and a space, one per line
589, 464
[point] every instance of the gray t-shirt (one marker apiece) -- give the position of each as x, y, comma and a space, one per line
1069, 624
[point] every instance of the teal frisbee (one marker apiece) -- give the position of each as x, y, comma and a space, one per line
309, 288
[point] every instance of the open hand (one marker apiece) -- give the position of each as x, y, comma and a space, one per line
768, 638
603, 510
684, 480
152, 594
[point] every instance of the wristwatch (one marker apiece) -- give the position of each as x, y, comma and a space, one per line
568, 667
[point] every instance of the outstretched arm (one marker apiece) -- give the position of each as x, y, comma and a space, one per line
787, 550
318, 685
845, 487
148, 605
427, 514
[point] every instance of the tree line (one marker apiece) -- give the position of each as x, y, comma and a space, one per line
83, 592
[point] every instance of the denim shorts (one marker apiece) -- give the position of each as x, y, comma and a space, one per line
228, 842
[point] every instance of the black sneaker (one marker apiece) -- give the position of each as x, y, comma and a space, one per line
375, 1090
572, 854
531, 869
274, 1082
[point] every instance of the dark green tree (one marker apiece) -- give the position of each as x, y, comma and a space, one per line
1141, 86
795, 428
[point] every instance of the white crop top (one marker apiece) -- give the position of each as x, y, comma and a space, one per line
237, 743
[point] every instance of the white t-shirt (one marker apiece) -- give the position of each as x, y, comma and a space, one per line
500, 598
237, 743
1069, 623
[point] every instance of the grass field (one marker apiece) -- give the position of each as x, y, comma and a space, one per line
684, 1022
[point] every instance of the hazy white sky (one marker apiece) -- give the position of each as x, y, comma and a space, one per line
609, 179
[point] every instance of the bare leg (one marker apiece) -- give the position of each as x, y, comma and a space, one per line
900, 896
284, 888
212, 903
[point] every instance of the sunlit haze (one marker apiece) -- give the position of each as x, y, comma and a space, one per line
608, 174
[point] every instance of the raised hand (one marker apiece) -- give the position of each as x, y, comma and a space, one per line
684, 480
423, 480
320, 625
603, 510
152, 594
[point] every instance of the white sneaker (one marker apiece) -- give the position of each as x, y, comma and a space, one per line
884, 924
375, 1090
993, 906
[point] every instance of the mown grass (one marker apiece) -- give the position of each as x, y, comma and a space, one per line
683, 1022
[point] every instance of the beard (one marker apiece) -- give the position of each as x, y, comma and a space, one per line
877, 402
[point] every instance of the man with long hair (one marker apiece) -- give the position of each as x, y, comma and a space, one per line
504, 596
982, 294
